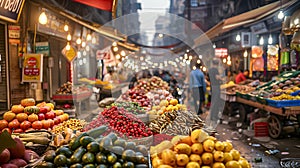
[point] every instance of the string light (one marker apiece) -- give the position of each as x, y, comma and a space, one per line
68, 47
123, 53
270, 39
118, 56
66, 28
280, 15
78, 41
43, 18
245, 53
261, 40
83, 44
69, 37
238, 37
89, 37
115, 49
114, 44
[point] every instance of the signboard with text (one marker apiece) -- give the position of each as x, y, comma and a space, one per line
32, 68
11, 10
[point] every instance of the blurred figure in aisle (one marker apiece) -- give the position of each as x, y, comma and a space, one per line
133, 81
216, 102
198, 88
230, 76
146, 74
242, 76
111, 76
166, 76
156, 72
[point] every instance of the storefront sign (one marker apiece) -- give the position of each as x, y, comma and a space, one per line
55, 26
10, 10
42, 48
32, 68
14, 34
221, 52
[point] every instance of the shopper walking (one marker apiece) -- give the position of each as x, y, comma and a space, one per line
216, 102
198, 88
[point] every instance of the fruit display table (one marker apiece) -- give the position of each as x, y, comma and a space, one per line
77, 99
278, 116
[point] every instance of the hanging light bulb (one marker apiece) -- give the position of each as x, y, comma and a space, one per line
66, 28
280, 15
118, 56
87, 48
88, 37
204, 69
198, 61
114, 44
43, 18
94, 40
224, 60
123, 53
68, 46
245, 53
238, 37
270, 39
69, 37
83, 44
214, 45
115, 49
190, 57
78, 41
261, 40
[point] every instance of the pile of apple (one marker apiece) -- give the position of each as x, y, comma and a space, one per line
138, 96
158, 95
30, 116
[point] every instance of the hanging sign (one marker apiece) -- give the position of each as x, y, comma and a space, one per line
11, 10
70, 54
221, 52
32, 68
14, 34
42, 48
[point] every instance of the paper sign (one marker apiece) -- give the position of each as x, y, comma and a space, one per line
32, 68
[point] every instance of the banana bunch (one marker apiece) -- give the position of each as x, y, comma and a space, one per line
285, 97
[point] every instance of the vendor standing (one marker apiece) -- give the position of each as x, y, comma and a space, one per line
111, 77
242, 76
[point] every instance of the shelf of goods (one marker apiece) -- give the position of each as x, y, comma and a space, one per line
78, 96
281, 98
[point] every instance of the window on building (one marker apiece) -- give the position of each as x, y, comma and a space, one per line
194, 3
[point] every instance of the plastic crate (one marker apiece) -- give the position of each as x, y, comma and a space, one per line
261, 129
242, 95
261, 100
283, 103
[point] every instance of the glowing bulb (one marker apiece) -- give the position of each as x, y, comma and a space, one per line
78, 41
88, 37
79, 54
190, 57
141, 58
69, 37
238, 37
280, 15
66, 28
187, 50
114, 44
194, 67
115, 49
224, 60
83, 44
229, 62
204, 69
43, 18
118, 56
245, 53
261, 40
84, 53
214, 45
160, 35
94, 40
228, 57
87, 48
68, 47
180, 58
123, 53
198, 61
270, 39
186, 56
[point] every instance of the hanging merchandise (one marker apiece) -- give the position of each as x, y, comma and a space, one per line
285, 58
294, 56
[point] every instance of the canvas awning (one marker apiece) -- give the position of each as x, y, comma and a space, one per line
242, 19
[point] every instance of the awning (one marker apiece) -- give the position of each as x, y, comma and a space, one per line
242, 19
